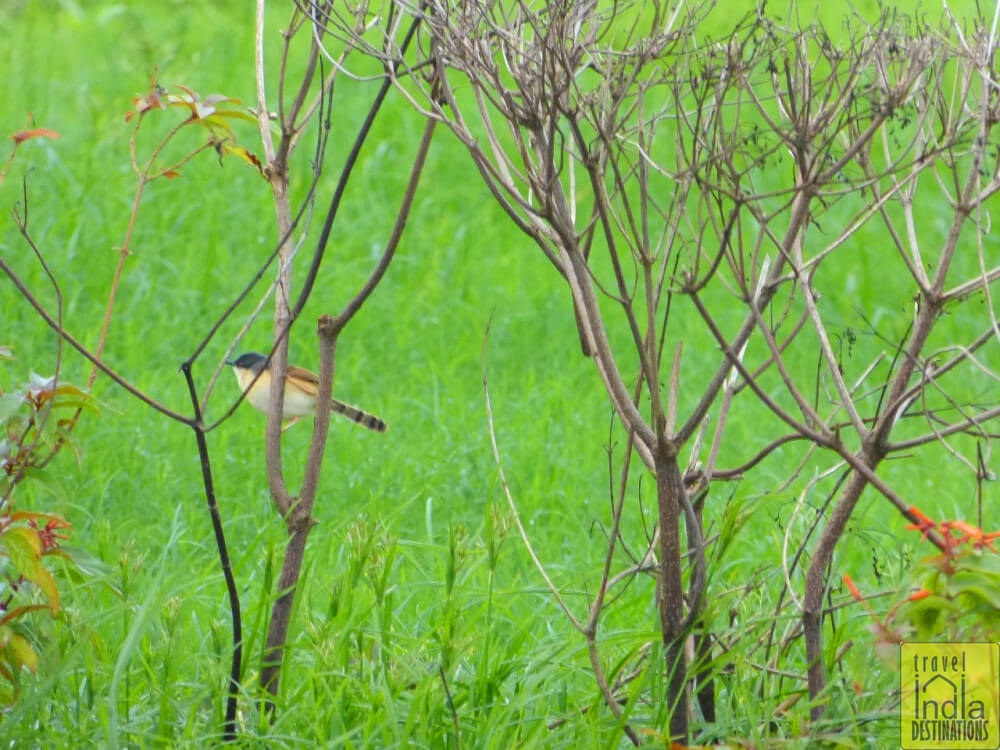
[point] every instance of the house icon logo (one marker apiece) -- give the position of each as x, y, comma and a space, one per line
950, 696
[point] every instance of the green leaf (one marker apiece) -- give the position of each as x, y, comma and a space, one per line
229, 147
22, 651
926, 614
10, 404
980, 584
24, 549
983, 563
70, 397
236, 114
44, 580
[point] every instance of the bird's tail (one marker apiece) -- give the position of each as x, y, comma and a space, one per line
354, 414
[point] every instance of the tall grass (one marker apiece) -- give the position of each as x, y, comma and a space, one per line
421, 621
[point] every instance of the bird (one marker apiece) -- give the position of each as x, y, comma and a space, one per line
301, 390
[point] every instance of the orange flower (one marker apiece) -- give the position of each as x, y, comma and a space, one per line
852, 588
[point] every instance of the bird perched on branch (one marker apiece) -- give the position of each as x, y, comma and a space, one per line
301, 391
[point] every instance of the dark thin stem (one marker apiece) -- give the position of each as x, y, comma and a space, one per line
236, 666
338, 194
397, 231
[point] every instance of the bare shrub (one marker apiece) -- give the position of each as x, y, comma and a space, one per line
712, 206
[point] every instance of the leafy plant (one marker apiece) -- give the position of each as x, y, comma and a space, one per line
32, 436
953, 595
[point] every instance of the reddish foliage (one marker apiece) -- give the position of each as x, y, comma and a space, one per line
852, 588
924, 524
49, 534
26, 135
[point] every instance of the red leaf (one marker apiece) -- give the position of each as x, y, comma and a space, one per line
24, 135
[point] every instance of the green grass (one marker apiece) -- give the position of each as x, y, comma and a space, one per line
420, 608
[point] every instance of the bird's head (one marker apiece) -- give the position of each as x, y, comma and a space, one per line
252, 361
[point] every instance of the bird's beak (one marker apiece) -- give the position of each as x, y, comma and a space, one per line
231, 362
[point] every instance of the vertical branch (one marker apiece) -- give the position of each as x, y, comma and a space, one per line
236, 664
299, 521
276, 172
554, 91
670, 587
297, 512
875, 445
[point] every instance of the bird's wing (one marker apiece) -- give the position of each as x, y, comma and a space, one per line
307, 381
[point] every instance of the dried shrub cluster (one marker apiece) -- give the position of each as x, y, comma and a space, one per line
713, 206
